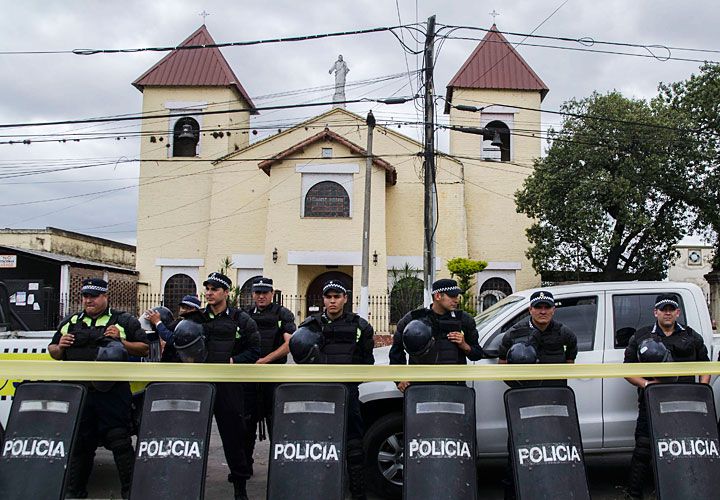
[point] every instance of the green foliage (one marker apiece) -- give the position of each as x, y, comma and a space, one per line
234, 292
610, 196
698, 101
407, 292
464, 270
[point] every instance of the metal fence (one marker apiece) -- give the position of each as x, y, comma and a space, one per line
383, 314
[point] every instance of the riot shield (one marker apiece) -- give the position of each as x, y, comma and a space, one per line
38, 443
547, 454
172, 445
684, 435
439, 442
307, 451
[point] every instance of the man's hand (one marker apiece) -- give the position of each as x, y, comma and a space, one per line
153, 317
66, 341
112, 331
459, 339
262, 361
402, 386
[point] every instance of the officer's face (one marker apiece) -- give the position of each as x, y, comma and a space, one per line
94, 304
186, 310
215, 295
542, 314
334, 302
667, 316
446, 302
262, 299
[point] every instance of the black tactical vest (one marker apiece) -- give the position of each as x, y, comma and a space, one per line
87, 338
341, 338
268, 323
220, 333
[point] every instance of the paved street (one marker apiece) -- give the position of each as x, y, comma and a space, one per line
605, 474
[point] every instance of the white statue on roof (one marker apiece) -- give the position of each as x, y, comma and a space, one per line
341, 70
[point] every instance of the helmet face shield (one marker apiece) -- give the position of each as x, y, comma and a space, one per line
522, 354
194, 352
145, 324
418, 339
305, 346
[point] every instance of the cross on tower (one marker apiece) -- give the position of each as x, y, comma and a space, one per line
204, 14
494, 15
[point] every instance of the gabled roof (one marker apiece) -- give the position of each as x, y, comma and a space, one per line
495, 64
329, 136
68, 259
204, 67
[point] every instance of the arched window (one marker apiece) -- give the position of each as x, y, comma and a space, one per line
327, 199
186, 134
176, 288
494, 151
492, 291
245, 296
406, 295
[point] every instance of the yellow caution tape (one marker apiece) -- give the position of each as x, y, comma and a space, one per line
179, 372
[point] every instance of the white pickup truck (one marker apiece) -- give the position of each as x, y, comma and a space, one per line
602, 315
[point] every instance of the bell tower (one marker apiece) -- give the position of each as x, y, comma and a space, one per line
498, 82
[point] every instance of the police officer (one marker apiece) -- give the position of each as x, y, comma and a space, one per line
105, 418
347, 339
275, 324
231, 337
189, 308
551, 341
684, 344
454, 335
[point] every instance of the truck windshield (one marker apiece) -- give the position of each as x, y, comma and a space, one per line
490, 313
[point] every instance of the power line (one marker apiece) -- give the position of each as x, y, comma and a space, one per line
195, 113
301, 38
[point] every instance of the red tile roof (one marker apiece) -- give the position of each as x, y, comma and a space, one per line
495, 64
194, 67
329, 135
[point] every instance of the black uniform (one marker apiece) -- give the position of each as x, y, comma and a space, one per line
232, 333
685, 344
556, 344
348, 339
105, 418
273, 323
443, 351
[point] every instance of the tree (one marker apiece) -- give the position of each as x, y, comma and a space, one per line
465, 270
698, 99
234, 292
609, 197
407, 292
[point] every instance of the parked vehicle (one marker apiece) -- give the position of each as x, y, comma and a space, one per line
603, 316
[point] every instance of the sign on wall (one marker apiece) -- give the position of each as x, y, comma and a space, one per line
8, 261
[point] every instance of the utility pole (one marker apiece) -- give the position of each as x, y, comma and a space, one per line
429, 170
364, 309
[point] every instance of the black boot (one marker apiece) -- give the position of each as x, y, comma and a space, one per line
240, 489
356, 474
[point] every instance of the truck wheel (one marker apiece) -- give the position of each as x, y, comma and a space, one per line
384, 457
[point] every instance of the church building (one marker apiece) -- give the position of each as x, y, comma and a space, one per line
290, 206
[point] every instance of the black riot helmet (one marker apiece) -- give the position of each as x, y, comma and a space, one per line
418, 338
166, 317
522, 354
114, 350
306, 345
189, 341
653, 351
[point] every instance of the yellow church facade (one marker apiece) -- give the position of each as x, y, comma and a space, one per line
290, 206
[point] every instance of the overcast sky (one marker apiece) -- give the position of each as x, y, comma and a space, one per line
52, 87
